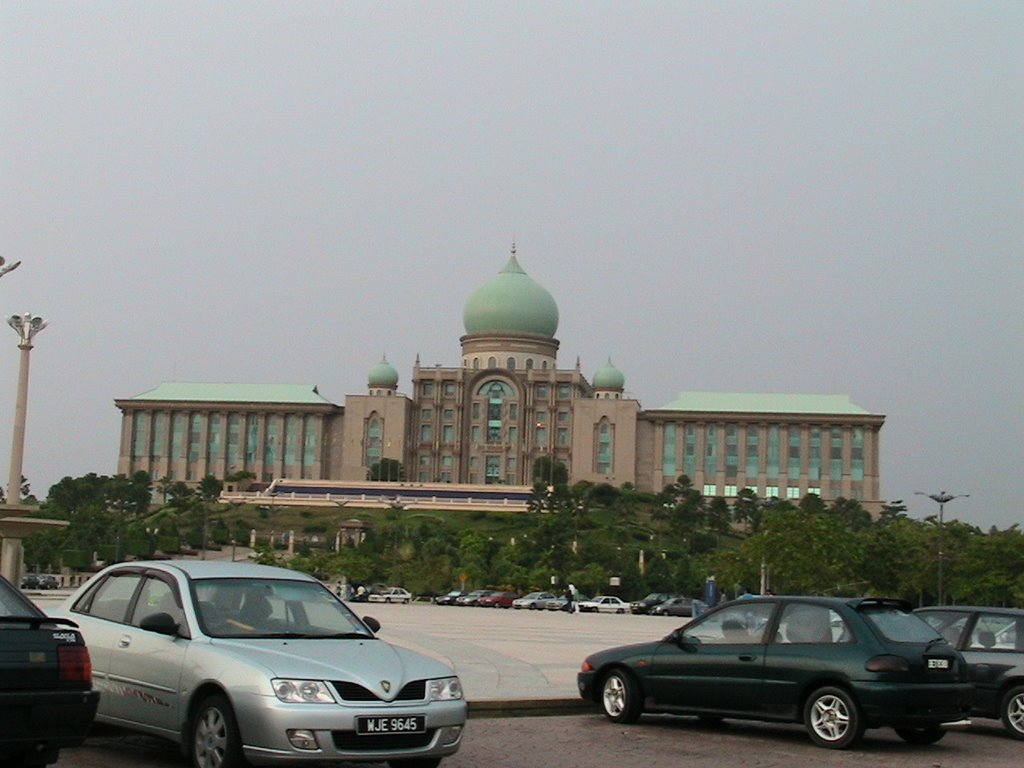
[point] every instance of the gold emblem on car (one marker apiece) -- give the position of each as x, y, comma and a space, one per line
386, 685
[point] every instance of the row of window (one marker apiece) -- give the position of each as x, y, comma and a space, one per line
543, 391
821, 448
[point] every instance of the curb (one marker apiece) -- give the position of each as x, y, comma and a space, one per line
529, 708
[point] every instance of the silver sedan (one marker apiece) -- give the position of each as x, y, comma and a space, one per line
243, 663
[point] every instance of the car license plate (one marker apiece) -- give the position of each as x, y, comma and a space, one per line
938, 663
374, 726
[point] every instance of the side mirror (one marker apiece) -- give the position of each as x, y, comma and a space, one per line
161, 623
372, 623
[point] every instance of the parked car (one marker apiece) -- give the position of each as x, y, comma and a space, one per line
837, 665
604, 604
239, 662
471, 598
992, 643
48, 581
561, 602
497, 600
391, 595
533, 600
46, 694
645, 604
675, 606
30, 581
448, 598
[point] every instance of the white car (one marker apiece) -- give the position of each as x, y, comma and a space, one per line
391, 595
604, 604
244, 664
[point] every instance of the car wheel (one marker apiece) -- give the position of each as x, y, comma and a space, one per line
928, 734
416, 762
1011, 711
833, 719
533, 606
216, 742
620, 697
619, 610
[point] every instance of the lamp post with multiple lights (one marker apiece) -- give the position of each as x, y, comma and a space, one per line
26, 326
942, 498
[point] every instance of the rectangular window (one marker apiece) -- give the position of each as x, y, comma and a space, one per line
563, 391
857, 456
160, 436
426, 414
424, 459
448, 414
213, 438
513, 411
542, 391
690, 451
446, 461
427, 389
195, 428
753, 452
541, 436
771, 492
794, 453
177, 435
815, 490
252, 435
668, 453
311, 440
563, 417
476, 410
835, 456
730, 491
449, 387
510, 464
513, 435
474, 435
494, 432
292, 429
447, 434
542, 417
710, 489
562, 436
139, 422
426, 433
711, 451
605, 449
492, 469
814, 456
792, 493
772, 458
269, 454
234, 440
732, 452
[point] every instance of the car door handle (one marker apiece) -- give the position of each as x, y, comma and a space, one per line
747, 657
125, 641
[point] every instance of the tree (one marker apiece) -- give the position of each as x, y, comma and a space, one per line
386, 470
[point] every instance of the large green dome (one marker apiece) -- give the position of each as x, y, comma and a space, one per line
511, 303
609, 377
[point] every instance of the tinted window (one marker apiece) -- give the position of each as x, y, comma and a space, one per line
812, 624
949, 624
898, 625
995, 632
735, 624
111, 598
156, 597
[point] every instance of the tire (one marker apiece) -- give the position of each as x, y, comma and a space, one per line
1011, 712
833, 719
416, 762
620, 611
533, 606
620, 697
928, 734
215, 742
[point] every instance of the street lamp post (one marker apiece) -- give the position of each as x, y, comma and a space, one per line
26, 326
942, 498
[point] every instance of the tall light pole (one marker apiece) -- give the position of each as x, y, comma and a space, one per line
941, 498
26, 326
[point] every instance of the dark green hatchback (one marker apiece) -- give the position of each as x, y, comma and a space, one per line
837, 665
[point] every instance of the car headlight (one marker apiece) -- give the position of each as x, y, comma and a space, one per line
444, 689
302, 691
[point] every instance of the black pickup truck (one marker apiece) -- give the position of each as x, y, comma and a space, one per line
46, 696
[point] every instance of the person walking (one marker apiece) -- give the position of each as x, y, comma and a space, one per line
572, 605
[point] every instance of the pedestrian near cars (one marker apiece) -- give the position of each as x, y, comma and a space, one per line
572, 605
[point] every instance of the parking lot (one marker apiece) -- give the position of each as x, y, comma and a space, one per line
509, 658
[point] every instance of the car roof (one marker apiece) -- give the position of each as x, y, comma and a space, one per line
974, 609
211, 569
852, 602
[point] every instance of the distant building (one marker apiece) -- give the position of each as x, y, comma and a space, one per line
506, 405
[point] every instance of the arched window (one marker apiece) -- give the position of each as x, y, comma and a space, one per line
544, 365
529, 363
605, 447
492, 362
374, 441
476, 363
511, 364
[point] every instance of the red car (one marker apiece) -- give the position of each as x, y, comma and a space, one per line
497, 600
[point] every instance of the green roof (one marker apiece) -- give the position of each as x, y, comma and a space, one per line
745, 402
512, 302
179, 391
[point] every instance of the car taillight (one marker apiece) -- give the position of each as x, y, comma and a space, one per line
74, 664
887, 663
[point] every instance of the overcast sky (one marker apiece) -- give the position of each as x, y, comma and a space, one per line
791, 197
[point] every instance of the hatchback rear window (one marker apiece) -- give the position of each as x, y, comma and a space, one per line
898, 625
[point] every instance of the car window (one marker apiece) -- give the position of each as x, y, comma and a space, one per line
994, 632
12, 603
156, 596
801, 623
270, 607
949, 624
111, 598
735, 624
898, 625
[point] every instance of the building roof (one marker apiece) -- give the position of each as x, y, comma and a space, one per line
746, 402
609, 377
511, 302
305, 394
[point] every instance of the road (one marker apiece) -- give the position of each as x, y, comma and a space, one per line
655, 742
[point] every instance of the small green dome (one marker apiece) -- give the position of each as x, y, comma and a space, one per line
609, 377
383, 374
512, 302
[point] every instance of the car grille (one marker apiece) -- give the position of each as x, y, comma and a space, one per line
350, 741
414, 691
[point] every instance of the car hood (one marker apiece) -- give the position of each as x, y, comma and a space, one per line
367, 662
625, 653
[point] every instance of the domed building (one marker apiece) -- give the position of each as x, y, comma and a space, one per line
488, 421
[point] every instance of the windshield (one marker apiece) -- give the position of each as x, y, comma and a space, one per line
253, 608
898, 625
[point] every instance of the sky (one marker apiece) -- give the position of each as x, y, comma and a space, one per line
790, 197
